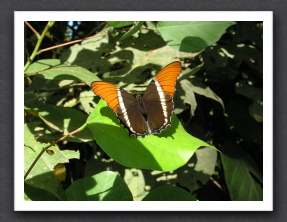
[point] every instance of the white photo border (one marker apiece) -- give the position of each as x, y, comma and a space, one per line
266, 16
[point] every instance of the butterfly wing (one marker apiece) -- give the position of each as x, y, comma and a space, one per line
124, 105
158, 97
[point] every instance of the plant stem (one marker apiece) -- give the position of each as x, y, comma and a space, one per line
40, 39
80, 40
44, 149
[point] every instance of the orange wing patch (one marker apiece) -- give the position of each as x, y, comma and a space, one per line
108, 92
167, 78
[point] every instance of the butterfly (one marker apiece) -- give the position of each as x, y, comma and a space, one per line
147, 114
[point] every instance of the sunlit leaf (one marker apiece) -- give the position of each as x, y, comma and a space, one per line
53, 69
192, 36
167, 151
105, 186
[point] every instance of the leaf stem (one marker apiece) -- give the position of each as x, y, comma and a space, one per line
44, 149
40, 39
30, 26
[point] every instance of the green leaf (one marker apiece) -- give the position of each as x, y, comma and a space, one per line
38, 92
90, 54
169, 193
143, 64
132, 31
118, 24
184, 92
126, 63
53, 69
185, 95
167, 151
239, 170
42, 176
188, 36
105, 186
136, 181
188, 86
35, 194
65, 120
87, 101
201, 89
188, 73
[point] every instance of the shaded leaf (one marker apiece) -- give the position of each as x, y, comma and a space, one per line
187, 96
95, 48
239, 169
186, 91
35, 194
198, 170
65, 120
187, 73
201, 89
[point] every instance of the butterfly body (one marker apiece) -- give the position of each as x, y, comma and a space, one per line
147, 114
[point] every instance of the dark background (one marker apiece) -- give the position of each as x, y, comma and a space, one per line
6, 125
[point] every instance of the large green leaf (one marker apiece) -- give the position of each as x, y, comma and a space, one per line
239, 170
53, 69
105, 186
192, 36
169, 193
167, 151
41, 176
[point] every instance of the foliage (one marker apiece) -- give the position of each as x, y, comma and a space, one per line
218, 103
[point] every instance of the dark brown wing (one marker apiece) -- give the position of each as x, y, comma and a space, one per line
158, 97
124, 105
